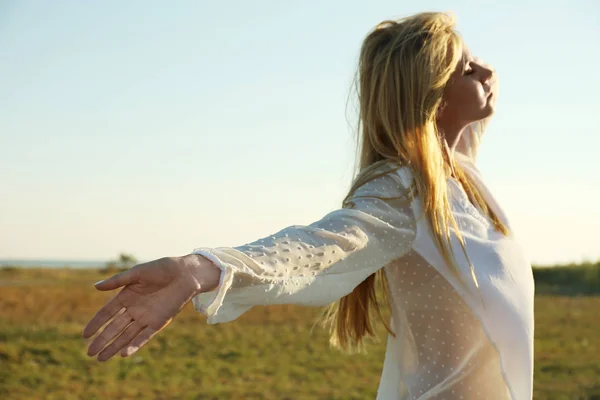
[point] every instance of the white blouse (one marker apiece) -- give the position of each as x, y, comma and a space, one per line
449, 344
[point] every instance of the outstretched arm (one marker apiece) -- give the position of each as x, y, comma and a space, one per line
310, 265
316, 264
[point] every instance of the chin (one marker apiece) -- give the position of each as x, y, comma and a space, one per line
491, 103
488, 111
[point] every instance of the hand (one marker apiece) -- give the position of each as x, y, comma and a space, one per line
153, 294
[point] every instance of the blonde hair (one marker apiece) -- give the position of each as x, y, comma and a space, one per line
404, 66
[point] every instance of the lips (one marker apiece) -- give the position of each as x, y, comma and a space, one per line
487, 89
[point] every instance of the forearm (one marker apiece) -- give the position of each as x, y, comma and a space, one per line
309, 265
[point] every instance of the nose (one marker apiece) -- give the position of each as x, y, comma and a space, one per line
486, 74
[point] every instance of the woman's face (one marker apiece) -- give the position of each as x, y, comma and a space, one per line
470, 95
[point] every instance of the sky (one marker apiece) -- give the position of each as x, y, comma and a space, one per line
154, 127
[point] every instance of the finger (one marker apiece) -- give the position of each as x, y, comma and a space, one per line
139, 342
121, 279
111, 331
123, 340
108, 311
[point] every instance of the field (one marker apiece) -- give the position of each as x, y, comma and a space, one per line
269, 353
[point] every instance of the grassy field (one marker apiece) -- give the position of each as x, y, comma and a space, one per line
268, 353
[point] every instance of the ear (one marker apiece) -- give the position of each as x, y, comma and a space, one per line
440, 110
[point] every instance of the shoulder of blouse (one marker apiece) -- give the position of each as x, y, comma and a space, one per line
395, 181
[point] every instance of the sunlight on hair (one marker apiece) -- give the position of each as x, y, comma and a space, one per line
404, 66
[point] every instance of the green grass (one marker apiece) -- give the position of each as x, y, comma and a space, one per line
268, 353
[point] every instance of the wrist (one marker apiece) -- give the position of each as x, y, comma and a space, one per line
204, 274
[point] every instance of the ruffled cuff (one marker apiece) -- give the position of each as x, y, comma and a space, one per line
212, 304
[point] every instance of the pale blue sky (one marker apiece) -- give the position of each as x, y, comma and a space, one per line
157, 127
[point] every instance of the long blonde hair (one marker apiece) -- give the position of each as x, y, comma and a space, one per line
404, 66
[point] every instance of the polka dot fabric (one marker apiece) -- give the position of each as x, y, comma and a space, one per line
452, 342
315, 264
442, 351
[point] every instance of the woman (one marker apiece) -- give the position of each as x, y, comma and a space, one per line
418, 218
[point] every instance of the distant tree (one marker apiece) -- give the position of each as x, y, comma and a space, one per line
124, 262
112, 265
127, 260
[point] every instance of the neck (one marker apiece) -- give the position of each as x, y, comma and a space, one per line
452, 133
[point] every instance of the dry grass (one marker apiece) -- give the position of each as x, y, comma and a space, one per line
268, 353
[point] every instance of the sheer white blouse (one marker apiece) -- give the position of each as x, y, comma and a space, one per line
449, 344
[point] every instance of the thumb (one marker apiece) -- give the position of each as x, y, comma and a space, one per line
116, 281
